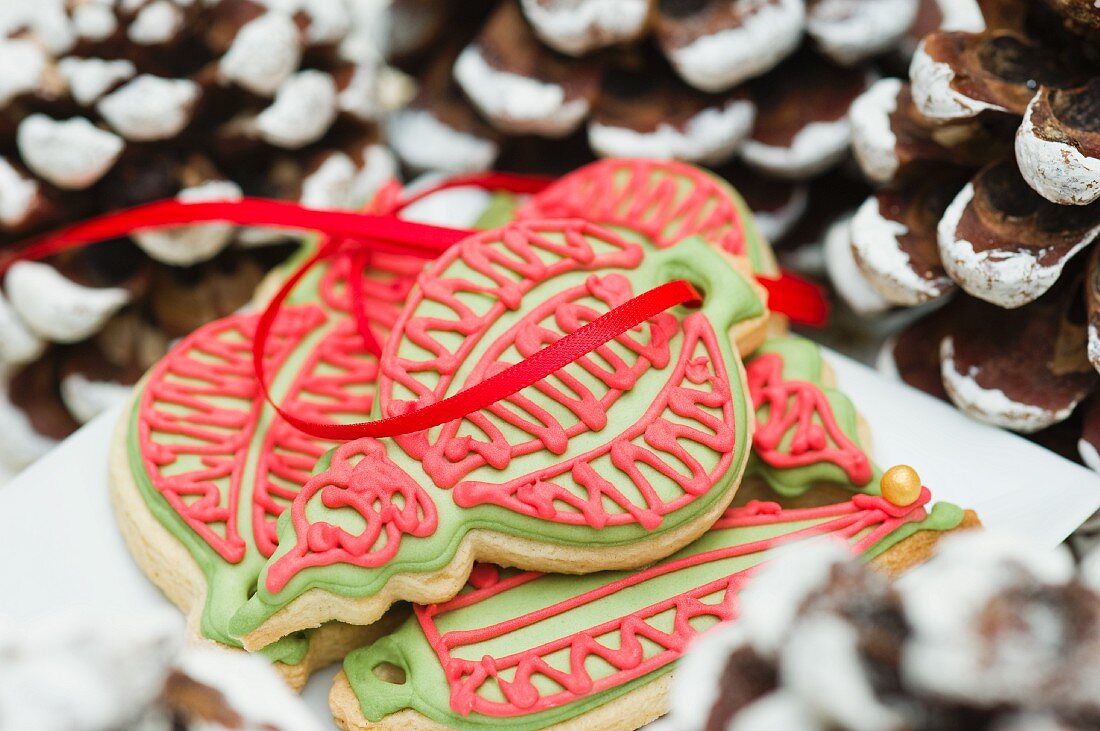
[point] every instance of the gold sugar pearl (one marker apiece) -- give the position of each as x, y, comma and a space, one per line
900, 485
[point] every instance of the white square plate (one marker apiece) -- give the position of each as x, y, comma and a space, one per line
60, 547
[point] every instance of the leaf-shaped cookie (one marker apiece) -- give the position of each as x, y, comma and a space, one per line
526, 651
614, 461
202, 467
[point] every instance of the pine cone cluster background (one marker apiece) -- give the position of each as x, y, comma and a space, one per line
106, 104
987, 159
757, 89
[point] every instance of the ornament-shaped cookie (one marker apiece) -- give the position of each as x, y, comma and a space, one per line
616, 460
523, 650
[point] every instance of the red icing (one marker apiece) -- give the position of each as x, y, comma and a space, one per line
677, 415
513, 674
508, 271
335, 380
665, 201
363, 478
186, 396
799, 405
386, 284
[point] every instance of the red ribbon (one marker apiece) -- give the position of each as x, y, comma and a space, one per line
383, 232
496, 388
800, 300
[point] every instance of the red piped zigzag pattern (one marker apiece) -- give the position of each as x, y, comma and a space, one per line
506, 266
663, 200
658, 440
336, 383
364, 479
204, 393
863, 521
796, 408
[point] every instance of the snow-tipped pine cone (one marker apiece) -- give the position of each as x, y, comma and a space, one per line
992, 634
130, 669
762, 85
987, 159
106, 104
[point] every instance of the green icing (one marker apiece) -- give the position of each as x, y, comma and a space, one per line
693, 259
942, 517
501, 210
230, 585
427, 690
802, 361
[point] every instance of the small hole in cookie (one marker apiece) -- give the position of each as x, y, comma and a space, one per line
702, 297
387, 672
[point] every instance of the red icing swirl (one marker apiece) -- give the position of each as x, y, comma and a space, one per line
799, 406
514, 674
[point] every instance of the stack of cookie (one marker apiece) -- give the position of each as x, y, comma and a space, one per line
631, 494
760, 90
991, 634
987, 160
105, 105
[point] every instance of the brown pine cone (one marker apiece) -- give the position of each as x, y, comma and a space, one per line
663, 78
760, 89
988, 165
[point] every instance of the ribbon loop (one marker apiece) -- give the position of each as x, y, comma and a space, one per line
359, 235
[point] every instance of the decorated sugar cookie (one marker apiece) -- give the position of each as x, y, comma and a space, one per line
807, 432
201, 467
521, 650
187, 544
614, 461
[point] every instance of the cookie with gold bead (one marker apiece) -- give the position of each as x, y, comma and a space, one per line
548, 651
900, 487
